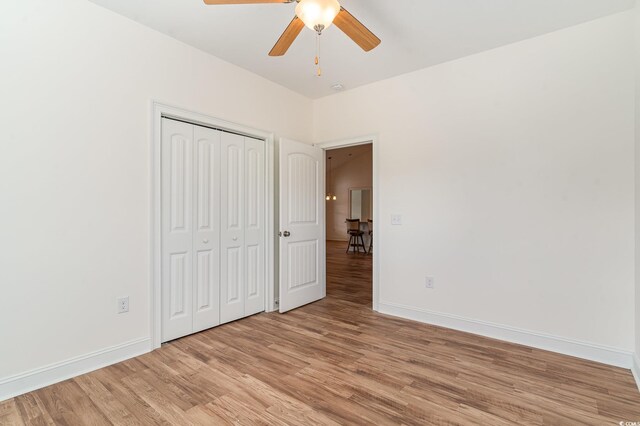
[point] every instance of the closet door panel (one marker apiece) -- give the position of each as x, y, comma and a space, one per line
177, 229
254, 220
206, 300
232, 238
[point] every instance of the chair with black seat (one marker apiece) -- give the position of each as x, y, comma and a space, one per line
356, 239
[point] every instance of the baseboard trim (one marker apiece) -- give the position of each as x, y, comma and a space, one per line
40, 377
635, 369
603, 354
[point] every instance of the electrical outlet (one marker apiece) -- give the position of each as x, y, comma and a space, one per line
396, 219
428, 283
123, 305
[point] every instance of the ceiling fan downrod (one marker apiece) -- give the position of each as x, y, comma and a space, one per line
318, 34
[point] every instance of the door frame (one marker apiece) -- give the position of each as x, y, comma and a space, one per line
158, 111
363, 140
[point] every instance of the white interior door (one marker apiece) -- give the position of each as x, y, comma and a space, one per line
177, 229
232, 277
254, 223
206, 298
302, 243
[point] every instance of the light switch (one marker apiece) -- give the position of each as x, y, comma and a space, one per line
396, 219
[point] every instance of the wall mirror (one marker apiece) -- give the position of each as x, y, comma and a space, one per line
360, 204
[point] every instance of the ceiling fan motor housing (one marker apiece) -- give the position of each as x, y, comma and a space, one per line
317, 14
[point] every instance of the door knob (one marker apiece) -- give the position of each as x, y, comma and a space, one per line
205, 241
235, 238
286, 233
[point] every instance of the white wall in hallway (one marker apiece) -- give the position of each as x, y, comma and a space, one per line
76, 83
519, 163
357, 172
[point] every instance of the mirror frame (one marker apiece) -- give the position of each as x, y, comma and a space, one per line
371, 201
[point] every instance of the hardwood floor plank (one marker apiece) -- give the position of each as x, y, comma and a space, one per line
337, 362
10, 414
144, 412
67, 404
231, 407
165, 406
32, 411
111, 407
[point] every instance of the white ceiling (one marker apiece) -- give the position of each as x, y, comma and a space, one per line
415, 33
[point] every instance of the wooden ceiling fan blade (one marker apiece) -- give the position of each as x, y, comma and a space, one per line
244, 1
288, 36
355, 30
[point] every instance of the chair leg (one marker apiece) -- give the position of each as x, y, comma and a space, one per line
370, 243
363, 246
349, 243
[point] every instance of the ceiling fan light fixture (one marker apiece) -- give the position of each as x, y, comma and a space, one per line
317, 15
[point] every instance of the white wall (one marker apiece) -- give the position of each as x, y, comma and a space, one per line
523, 159
76, 83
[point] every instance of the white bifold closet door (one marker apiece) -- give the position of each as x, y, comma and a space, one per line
242, 227
212, 228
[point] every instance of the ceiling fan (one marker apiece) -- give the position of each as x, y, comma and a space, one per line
316, 15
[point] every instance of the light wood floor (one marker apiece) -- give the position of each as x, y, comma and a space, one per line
337, 362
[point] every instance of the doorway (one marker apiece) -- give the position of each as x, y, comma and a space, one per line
349, 206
